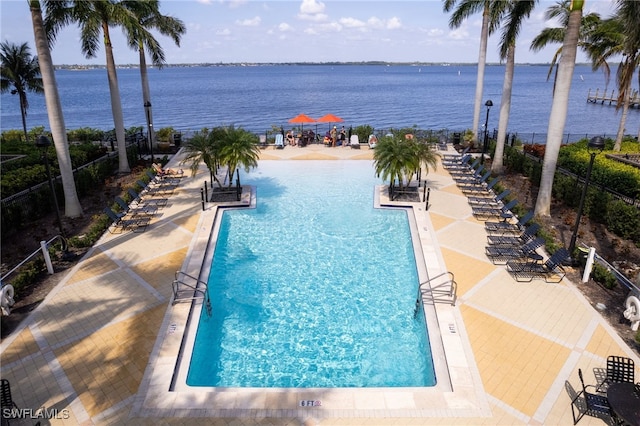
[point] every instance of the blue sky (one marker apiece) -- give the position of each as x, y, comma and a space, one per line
304, 31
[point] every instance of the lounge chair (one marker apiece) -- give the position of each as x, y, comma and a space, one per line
508, 228
464, 168
162, 172
502, 255
372, 141
551, 270
279, 141
151, 189
164, 181
146, 201
457, 164
136, 209
506, 240
354, 142
490, 200
479, 189
120, 223
469, 176
489, 212
263, 141
456, 156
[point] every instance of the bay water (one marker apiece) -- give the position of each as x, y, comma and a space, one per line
189, 98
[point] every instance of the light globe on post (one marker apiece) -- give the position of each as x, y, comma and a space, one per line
43, 143
147, 110
485, 143
595, 146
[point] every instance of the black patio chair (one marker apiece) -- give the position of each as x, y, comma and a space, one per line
478, 176
479, 187
134, 209
502, 255
489, 212
464, 167
551, 270
6, 401
510, 241
620, 369
585, 403
508, 228
121, 223
147, 201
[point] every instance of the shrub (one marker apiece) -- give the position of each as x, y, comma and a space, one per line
604, 276
623, 220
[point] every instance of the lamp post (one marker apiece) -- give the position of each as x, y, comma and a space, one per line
597, 145
43, 143
147, 110
488, 104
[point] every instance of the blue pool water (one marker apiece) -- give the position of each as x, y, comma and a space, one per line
313, 288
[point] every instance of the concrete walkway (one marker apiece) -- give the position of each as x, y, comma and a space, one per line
89, 351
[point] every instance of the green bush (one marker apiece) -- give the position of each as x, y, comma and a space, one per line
363, 132
604, 276
623, 220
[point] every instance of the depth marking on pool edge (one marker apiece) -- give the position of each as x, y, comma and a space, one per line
310, 403
452, 328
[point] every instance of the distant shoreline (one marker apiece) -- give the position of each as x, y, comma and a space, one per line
271, 64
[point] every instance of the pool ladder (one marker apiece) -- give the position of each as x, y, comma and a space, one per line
442, 288
189, 288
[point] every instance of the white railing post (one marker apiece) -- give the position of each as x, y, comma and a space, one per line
47, 258
589, 265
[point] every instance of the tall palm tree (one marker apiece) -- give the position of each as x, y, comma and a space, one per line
466, 8
560, 11
149, 17
396, 159
618, 36
238, 148
54, 112
516, 12
559, 107
95, 17
20, 70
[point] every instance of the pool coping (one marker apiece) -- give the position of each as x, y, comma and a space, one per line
459, 392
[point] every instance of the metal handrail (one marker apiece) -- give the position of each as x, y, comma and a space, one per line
446, 292
32, 255
197, 291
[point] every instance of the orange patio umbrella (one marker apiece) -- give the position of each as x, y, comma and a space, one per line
301, 119
330, 118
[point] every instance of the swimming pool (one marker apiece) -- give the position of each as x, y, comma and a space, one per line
313, 288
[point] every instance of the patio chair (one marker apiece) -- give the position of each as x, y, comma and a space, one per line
164, 182
146, 201
6, 400
490, 199
456, 162
464, 168
478, 189
263, 141
488, 212
354, 142
372, 141
457, 156
120, 223
505, 240
136, 209
279, 141
500, 255
551, 270
619, 370
585, 403
507, 228
151, 189
471, 176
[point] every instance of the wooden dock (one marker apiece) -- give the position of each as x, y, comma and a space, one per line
612, 98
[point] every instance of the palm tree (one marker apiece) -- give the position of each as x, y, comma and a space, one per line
516, 12
94, 18
558, 115
18, 69
149, 17
466, 8
619, 35
560, 11
238, 147
54, 112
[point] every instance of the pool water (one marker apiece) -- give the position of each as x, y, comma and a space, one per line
313, 288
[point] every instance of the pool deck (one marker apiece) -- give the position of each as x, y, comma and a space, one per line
94, 348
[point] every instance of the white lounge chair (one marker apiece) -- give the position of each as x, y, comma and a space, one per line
373, 141
279, 141
354, 142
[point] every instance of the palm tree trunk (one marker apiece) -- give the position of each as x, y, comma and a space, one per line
482, 60
23, 112
116, 103
146, 92
54, 112
559, 107
497, 163
623, 119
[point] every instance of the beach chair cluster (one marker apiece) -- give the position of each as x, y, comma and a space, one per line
136, 214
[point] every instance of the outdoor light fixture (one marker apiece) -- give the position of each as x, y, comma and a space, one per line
147, 109
595, 146
488, 104
43, 143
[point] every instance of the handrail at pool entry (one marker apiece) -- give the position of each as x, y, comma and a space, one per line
196, 290
443, 292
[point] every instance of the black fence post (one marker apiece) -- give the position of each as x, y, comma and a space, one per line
202, 197
206, 191
427, 199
